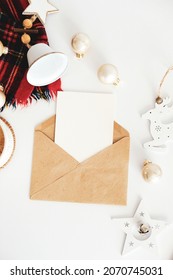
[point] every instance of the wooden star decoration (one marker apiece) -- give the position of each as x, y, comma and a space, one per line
134, 238
40, 8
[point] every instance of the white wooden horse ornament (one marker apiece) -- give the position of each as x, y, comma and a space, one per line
162, 133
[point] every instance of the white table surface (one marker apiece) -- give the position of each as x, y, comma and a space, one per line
136, 36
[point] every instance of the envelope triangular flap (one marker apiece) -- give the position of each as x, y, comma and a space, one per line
48, 127
100, 179
50, 162
119, 132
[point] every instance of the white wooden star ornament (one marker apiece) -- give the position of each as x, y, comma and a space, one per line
140, 230
41, 8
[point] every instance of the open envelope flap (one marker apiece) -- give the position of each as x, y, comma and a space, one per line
49, 162
100, 179
48, 127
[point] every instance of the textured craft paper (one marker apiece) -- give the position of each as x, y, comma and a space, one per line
84, 123
56, 176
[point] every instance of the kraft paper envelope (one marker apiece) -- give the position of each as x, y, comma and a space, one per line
56, 176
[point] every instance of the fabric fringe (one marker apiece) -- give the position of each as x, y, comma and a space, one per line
47, 95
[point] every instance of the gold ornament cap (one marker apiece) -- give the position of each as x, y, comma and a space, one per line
159, 100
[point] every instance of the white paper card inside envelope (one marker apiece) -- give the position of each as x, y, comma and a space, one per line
84, 123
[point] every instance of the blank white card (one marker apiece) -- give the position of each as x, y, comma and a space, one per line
84, 123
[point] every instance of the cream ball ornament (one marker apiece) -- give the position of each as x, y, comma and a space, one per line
2, 97
108, 74
151, 172
25, 38
3, 50
27, 23
80, 44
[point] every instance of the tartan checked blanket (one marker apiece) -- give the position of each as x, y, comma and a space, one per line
14, 65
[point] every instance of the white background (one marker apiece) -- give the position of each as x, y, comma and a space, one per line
136, 36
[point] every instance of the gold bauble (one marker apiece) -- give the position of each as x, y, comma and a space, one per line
26, 39
151, 172
27, 23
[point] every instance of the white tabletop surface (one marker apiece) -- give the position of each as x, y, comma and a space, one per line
136, 36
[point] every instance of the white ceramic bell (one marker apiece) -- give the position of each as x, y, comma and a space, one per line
45, 65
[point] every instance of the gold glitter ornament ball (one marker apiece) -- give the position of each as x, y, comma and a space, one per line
151, 172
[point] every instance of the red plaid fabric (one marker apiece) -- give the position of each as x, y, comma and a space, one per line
14, 65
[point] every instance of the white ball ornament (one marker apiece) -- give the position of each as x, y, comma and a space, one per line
3, 50
80, 44
108, 74
2, 97
151, 172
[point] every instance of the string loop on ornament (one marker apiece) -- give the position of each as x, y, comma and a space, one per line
159, 99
